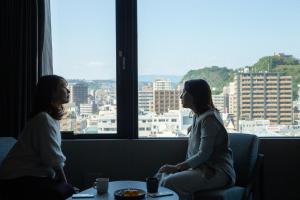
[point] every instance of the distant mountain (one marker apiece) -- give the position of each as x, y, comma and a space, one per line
151, 78
217, 77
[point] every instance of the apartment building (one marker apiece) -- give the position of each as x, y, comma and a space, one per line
218, 101
145, 99
263, 95
165, 97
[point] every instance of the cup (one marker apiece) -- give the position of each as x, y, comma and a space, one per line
101, 185
152, 184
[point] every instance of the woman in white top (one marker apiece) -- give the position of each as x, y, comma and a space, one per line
33, 169
208, 162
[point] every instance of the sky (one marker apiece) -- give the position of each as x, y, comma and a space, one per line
174, 36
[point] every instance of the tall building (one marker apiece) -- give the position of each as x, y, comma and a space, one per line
232, 98
162, 85
263, 95
79, 93
165, 98
145, 99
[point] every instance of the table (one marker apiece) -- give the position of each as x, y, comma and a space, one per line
116, 185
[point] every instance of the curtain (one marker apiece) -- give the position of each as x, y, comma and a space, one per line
26, 54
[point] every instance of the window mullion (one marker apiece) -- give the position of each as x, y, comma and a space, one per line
126, 55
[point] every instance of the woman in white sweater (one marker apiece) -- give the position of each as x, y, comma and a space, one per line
208, 162
33, 169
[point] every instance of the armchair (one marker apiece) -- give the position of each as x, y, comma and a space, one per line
247, 165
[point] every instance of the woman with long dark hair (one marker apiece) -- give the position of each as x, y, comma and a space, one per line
33, 169
209, 162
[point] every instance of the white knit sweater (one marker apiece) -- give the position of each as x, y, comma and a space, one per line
37, 152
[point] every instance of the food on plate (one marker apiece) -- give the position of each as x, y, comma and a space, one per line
131, 193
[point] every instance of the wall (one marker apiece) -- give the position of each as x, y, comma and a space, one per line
281, 168
137, 159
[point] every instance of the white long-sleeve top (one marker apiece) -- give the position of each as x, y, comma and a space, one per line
37, 151
209, 144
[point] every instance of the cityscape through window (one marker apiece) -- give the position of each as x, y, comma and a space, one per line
83, 37
247, 51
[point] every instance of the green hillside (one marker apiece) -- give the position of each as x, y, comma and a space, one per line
217, 77
271, 62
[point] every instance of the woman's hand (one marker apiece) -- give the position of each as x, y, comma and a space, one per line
182, 166
168, 169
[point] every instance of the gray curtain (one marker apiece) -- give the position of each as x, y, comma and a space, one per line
26, 54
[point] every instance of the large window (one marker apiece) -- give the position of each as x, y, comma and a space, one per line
126, 62
84, 52
247, 51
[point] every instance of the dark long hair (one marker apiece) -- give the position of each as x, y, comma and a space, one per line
201, 93
45, 94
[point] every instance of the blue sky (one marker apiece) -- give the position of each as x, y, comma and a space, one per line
174, 36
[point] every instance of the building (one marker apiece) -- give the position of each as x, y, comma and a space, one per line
173, 123
263, 95
88, 108
79, 93
107, 120
165, 100
162, 85
145, 101
218, 101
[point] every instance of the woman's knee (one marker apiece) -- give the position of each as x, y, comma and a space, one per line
168, 182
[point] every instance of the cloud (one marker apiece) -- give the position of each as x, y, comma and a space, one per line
95, 63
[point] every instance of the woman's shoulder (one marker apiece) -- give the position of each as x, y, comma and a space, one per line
210, 116
211, 112
42, 118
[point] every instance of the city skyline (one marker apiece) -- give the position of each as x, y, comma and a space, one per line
180, 36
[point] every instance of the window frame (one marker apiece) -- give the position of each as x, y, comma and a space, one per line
126, 75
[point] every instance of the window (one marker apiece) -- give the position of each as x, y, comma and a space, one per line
195, 39
92, 50
250, 62
84, 53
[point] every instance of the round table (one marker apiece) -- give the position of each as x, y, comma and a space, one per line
116, 185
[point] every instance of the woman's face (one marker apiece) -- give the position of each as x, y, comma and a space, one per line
62, 93
186, 99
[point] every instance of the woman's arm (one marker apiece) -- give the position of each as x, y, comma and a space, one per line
60, 175
174, 168
47, 143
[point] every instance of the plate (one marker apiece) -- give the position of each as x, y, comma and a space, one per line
129, 194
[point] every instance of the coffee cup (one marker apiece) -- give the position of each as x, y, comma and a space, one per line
101, 185
152, 184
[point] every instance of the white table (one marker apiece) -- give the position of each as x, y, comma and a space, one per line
116, 185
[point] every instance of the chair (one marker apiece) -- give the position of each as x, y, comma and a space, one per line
6, 143
247, 165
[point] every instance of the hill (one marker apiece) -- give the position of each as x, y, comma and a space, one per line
217, 77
